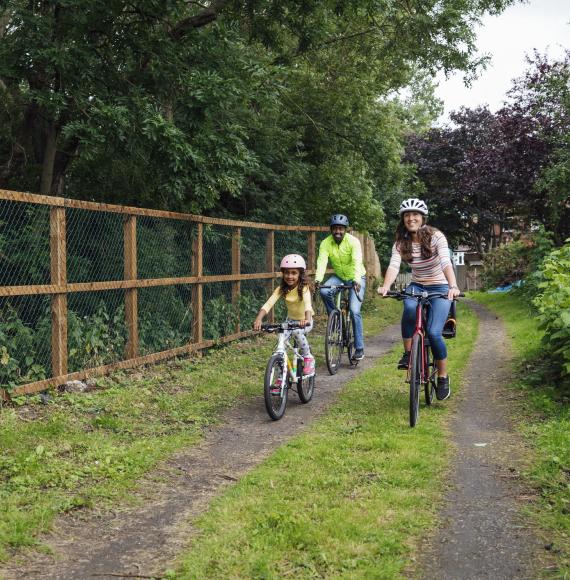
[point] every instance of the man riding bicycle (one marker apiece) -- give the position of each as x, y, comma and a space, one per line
345, 254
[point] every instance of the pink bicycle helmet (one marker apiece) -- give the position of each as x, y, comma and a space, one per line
293, 261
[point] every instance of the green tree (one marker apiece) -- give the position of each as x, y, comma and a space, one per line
222, 106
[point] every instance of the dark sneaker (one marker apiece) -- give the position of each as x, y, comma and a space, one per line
443, 390
359, 354
404, 362
449, 328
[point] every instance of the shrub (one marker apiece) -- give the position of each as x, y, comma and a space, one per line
21, 352
517, 260
506, 264
553, 303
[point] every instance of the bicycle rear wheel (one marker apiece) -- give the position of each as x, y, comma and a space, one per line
306, 388
333, 341
350, 350
275, 388
415, 378
429, 380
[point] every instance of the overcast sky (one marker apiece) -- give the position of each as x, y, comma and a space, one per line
540, 24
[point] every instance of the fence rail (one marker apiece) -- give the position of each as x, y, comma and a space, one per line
185, 282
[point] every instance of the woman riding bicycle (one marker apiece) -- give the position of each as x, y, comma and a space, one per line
425, 249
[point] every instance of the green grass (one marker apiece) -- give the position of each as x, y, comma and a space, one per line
84, 450
351, 497
544, 419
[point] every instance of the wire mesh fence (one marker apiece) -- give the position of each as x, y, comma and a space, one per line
85, 287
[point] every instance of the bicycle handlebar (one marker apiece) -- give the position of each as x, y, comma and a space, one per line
274, 327
403, 295
342, 287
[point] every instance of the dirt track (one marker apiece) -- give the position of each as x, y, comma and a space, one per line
482, 535
143, 541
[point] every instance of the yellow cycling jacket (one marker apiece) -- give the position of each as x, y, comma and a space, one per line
345, 258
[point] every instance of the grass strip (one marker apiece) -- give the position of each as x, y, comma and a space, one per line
351, 497
543, 417
90, 449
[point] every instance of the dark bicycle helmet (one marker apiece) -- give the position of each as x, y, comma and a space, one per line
339, 220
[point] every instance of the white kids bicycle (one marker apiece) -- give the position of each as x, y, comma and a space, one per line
285, 371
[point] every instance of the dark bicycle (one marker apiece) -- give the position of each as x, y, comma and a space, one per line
421, 368
340, 333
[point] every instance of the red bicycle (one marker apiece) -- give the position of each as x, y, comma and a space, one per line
421, 368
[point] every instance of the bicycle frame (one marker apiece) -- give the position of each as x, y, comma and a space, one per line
283, 345
421, 318
339, 337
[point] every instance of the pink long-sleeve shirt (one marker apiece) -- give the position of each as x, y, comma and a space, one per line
427, 271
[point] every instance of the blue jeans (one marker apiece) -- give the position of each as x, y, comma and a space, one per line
436, 317
354, 305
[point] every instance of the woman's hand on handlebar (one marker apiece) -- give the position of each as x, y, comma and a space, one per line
453, 293
383, 290
257, 324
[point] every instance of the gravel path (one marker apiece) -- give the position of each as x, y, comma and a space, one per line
482, 534
143, 541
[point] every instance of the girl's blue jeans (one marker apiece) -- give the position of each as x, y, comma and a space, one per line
436, 317
354, 305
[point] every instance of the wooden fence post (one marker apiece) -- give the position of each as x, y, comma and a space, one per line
236, 269
198, 289
270, 267
58, 259
311, 249
131, 294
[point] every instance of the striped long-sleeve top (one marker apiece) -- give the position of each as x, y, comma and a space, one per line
427, 271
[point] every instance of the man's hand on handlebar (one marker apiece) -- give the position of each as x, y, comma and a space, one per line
357, 287
383, 290
257, 324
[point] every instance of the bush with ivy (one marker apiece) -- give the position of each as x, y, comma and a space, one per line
517, 260
24, 351
553, 303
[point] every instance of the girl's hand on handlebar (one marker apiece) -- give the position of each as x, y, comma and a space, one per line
257, 324
382, 290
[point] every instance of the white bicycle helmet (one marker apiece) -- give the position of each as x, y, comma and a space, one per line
413, 204
293, 261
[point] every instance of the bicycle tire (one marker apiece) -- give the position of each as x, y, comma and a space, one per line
350, 350
415, 378
306, 388
429, 382
275, 404
333, 342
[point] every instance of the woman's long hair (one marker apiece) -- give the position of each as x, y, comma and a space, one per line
284, 289
404, 240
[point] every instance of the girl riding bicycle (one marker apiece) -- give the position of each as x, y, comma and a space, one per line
297, 295
425, 249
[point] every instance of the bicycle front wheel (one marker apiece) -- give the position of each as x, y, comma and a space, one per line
415, 378
333, 342
275, 388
